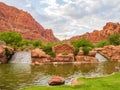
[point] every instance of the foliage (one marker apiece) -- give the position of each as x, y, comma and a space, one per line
102, 83
86, 50
7, 53
47, 48
84, 44
102, 43
37, 43
11, 38
114, 39
76, 51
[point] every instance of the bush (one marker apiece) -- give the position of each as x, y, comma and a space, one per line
76, 51
114, 39
11, 38
84, 44
86, 50
47, 48
37, 43
102, 43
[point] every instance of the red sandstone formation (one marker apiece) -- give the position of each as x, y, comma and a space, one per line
112, 53
4, 56
56, 80
13, 19
39, 56
90, 58
62, 48
95, 36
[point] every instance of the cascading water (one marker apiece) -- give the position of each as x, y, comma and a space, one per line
21, 57
100, 57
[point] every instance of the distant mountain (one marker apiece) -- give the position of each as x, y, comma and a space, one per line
97, 35
13, 19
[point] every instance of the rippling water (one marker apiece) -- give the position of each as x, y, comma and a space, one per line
15, 76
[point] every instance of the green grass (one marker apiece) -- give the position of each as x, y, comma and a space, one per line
103, 83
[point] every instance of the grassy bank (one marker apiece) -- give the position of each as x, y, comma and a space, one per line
103, 83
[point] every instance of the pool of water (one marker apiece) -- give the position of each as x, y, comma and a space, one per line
16, 76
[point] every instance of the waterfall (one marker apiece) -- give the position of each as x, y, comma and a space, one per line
21, 57
100, 57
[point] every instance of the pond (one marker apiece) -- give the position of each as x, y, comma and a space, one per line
15, 76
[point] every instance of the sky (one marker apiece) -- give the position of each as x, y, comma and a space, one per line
69, 18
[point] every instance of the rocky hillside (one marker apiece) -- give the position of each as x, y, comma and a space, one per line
13, 19
97, 35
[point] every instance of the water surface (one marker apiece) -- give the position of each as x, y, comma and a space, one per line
15, 76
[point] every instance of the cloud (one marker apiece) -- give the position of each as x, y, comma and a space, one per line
70, 17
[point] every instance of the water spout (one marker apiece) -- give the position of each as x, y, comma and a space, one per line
21, 57
100, 57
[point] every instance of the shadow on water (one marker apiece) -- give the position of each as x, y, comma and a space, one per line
15, 76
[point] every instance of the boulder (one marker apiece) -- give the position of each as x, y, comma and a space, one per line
80, 53
5, 53
62, 48
92, 53
38, 53
56, 80
39, 56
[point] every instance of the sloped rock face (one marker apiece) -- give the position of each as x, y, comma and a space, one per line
13, 19
111, 52
95, 36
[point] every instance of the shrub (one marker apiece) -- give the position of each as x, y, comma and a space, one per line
37, 43
47, 48
114, 39
86, 50
84, 44
102, 43
11, 38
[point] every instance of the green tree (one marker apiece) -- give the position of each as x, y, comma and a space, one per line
11, 38
114, 39
102, 43
83, 44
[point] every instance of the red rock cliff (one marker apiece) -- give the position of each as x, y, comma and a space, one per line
13, 19
95, 36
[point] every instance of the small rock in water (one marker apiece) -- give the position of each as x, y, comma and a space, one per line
56, 80
75, 82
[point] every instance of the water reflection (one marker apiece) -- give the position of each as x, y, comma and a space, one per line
14, 76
